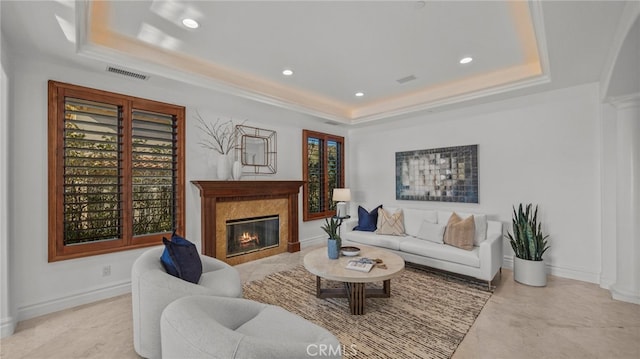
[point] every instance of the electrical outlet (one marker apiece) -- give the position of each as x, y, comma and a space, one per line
106, 270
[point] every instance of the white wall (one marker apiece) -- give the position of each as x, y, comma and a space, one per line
541, 149
42, 287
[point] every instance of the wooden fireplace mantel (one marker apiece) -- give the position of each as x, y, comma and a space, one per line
213, 192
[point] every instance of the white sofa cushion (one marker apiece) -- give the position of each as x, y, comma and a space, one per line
413, 219
443, 252
372, 239
432, 232
480, 221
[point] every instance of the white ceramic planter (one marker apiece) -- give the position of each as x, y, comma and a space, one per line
531, 273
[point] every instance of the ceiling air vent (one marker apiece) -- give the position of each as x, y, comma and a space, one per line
122, 72
406, 79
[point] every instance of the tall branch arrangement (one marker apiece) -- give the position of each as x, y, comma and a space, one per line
220, 135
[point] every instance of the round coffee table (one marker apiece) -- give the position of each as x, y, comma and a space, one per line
317, 262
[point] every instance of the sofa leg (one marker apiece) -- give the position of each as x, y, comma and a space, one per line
489, 281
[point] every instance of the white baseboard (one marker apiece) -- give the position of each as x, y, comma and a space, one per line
564, 272
7, 327
606, 282
74, 300
313, 241
624, 295
507, 263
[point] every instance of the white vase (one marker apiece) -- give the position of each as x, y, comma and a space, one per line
531, 273
236, 170
212, 162
223, 169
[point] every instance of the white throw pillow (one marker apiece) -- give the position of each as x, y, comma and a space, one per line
481, 228
413, 219
431, 232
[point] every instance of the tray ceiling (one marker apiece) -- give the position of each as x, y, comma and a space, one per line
403, 55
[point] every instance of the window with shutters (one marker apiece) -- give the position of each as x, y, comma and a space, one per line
323, 170
116, 171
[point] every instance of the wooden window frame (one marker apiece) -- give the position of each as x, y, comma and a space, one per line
306, 134
57, 92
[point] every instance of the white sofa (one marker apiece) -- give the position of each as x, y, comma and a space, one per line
482, 262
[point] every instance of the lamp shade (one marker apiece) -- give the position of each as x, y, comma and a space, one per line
341, 194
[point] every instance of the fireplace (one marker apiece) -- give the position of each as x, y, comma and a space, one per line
224, 202
248, 235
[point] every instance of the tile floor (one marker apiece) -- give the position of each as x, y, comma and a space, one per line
565, 319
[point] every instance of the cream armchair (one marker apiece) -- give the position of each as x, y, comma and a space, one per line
207, 327
152, 289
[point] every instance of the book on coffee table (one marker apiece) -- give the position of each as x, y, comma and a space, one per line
359, 265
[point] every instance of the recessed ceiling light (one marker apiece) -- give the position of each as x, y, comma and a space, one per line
190, 23
466, 60
287, 72
359, 94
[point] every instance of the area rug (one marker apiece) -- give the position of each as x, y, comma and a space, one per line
427, 315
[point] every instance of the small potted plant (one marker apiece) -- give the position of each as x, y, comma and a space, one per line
334, 242
529, 244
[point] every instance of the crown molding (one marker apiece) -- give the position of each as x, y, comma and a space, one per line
452, 100
620, 102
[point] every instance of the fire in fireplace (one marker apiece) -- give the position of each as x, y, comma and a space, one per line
252, 234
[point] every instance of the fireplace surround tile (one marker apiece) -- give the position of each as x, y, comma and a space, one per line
226, 211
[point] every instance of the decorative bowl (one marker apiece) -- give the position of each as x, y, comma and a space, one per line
350, 251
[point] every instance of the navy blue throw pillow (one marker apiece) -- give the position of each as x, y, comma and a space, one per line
367, 221
181, 259
167, 262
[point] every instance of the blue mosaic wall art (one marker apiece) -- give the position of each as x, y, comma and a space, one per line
448, 174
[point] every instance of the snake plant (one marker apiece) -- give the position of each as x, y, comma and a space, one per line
527, 240
332, 228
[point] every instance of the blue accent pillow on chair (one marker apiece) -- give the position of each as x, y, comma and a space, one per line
367, 221
181, 259
167, 262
